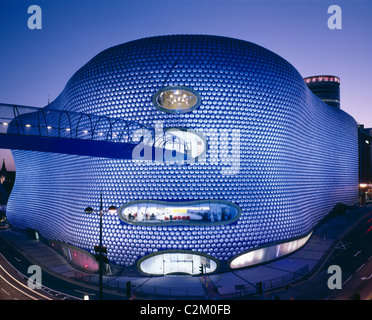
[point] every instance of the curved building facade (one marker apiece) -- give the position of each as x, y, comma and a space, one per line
269, 158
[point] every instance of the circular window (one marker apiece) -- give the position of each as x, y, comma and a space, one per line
176, 99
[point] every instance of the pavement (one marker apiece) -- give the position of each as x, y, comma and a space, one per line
239, 284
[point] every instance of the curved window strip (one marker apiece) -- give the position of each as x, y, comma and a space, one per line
268, 253
199, 212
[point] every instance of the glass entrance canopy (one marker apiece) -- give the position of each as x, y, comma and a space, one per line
177, 263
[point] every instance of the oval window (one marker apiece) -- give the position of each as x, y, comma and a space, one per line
267, 253
177, 99
196, 212
189, 142
177, 262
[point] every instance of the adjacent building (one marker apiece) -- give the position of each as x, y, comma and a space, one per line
326, 87
365, 163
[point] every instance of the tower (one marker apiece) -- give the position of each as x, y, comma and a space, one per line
327, 88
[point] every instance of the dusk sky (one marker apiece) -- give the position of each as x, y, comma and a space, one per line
35, 65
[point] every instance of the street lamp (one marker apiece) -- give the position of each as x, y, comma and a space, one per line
100, 249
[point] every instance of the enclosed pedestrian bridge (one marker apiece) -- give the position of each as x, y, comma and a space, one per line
60, 131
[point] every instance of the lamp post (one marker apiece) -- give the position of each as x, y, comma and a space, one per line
100, 249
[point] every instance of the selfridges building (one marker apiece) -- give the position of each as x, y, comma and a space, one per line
264, 159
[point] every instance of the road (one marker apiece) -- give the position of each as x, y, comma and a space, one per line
53, 286
14, 279
13, 285
354, 256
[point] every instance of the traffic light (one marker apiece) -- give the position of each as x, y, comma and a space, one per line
101, 258
201, 269
101, 254
100, 249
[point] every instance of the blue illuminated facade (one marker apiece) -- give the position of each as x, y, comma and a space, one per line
277, 159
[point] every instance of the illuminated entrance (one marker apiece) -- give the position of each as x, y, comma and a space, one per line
181, 262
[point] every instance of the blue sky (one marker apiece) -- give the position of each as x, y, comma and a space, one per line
35, 65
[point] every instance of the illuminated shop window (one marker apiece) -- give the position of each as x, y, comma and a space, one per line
176, 99
201, 212
177, 263
268, 253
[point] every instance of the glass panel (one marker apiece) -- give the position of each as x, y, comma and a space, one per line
266, 254
185, 141
177, 263
176, 99
202, 212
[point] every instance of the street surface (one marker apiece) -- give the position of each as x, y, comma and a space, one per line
13, 285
